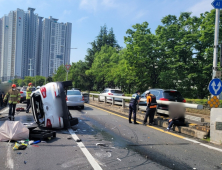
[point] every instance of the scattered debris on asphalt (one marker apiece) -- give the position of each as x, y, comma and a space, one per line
35, 145
19, 153
78, 140
35, 142
101, 144
20, 109
31, 142
13, 130
118, 159
25, 162
18, 146
69, 137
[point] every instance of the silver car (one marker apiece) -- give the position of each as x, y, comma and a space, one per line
112, 92
75, 98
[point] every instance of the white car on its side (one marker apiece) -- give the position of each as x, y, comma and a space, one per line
49, 106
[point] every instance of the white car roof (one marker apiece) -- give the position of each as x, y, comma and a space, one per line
112, 89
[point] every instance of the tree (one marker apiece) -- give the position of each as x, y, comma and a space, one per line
49, 79
60, 74
143, 55
103, 62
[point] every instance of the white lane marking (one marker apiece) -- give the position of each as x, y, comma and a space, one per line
90, 158
9, 161
191, 140
194, 141
208, 146
211, 147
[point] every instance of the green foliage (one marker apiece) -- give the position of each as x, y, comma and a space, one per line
178, 56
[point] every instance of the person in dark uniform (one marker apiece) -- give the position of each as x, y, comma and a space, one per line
151, 108
132, 107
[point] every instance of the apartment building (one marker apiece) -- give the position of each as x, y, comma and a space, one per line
31, 45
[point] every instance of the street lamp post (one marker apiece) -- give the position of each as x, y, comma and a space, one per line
67, 71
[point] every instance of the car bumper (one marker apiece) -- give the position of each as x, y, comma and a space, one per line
71, 103
23, 99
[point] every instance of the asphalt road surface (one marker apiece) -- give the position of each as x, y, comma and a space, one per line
108, 141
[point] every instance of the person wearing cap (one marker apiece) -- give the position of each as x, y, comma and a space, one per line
151, 108
28, 94
132, 106
13, 97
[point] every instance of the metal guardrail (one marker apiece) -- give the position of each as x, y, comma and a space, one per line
186, 105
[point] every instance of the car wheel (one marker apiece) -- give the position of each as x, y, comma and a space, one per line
82, 107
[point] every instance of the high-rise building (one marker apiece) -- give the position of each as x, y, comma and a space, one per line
31, 45
11, 35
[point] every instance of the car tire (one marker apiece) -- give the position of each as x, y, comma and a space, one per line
82, 107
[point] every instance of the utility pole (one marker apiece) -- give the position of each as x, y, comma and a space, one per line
216, 37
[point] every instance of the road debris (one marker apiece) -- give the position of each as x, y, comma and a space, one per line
31, 142
18, 146
118, 159
69, 137
25, 162
35, 142
13, 130
101, 144
78, 140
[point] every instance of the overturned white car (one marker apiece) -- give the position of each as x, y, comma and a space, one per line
49, 106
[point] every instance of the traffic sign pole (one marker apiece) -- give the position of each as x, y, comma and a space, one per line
216, 37
67, 71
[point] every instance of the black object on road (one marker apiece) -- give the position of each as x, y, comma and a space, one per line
41, 134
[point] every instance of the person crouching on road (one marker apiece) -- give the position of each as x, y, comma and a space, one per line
13, 97
132, 107
28, 94
151, 108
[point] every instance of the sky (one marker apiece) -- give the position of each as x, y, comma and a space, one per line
87, 16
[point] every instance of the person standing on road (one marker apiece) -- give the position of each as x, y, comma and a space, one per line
151, 108
13, 97
28, 94
132, 107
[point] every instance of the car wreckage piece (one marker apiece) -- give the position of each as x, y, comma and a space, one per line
49, 106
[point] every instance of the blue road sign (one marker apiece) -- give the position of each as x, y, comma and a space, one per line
215, 87
217, 4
